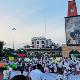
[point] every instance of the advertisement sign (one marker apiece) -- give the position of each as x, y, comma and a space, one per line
72, 29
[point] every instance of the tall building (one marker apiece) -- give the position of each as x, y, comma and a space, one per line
72, 30
41, 42
38, 42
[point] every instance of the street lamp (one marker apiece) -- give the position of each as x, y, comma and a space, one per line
13, 29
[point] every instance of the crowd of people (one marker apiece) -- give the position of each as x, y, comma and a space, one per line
35, 68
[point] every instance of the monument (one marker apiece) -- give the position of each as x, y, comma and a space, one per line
72, 31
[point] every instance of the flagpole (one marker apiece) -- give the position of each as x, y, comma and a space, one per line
13, 44
13, 29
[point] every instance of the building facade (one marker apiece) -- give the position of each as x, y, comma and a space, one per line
41, 42
48, 43
38, 42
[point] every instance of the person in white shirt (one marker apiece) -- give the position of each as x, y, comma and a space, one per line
66, 64
55, 68
5, 74
59, 67
36, 74
13, 73
10, 69
59, 77
77, 68
64, 77
46, 69
65, 74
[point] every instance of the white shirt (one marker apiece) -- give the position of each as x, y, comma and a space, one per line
10, 69
59, 77
77, 67
46, 70
55, 68
66, 64
60, 65
79, 64
14, 73
36, 74
6, 74
25, 73
64, 77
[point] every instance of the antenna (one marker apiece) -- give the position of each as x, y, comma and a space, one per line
45, 26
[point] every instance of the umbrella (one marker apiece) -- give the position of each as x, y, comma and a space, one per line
27, 59
21, 55
14, 65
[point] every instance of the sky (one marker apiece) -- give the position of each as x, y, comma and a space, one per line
29, 18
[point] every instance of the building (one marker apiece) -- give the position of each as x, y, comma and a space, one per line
43, 43
72, 30
41, 46
48, 43
38, 42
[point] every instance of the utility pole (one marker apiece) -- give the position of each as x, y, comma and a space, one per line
13, 29
45, 26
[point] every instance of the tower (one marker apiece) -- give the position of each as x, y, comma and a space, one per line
72, 24
72, 30
72, 8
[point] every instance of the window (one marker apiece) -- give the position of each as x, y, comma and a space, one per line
32, 42
42, 42
43, 46
37, 42
37, 46
32, 46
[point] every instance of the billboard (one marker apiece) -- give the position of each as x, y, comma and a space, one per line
72, 29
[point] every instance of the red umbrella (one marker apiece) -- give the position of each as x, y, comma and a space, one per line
21, 55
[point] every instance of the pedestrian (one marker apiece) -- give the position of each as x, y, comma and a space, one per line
36, 74
5, 74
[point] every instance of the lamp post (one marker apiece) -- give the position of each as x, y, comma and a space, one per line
13, 29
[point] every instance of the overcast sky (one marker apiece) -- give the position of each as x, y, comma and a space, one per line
29, 18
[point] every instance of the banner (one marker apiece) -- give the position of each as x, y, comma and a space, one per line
11, 58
